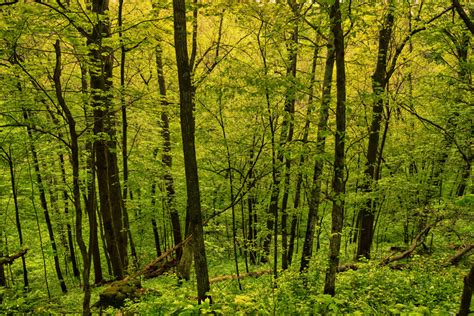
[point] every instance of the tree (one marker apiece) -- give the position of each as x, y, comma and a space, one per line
338, 184
105, 145
379, 84
186, 96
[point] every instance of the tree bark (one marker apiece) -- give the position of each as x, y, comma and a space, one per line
290, 100
105, 145
379, 84
186, 96
339, 153
315, 197
466, 297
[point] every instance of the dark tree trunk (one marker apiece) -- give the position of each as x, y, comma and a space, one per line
74, 141
3, 280
290, 99
154, 225
299, 177
70, 240
105, 146
339, 153
8, 158
252, 213
466, 297
166, 157
186, 96
44, 206
315, 197
379, 84
123, 107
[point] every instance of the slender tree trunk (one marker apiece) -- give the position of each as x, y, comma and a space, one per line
252, 213
3, 279
86, 257
123, 107
231, 190
339, 153
166, 158
44, 206
154, 225
314, 199
379, 84
299, 177
8, 157
290, 100
186, 95
70, 240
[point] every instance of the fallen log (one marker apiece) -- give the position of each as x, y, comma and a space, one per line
129, 288
347, 266
454, 260
418, 240
394, 256
10, 259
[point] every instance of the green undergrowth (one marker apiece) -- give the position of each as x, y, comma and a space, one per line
424, 286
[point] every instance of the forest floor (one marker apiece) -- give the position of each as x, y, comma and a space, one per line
422, 284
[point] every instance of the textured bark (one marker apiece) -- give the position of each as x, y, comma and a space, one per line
186, 96
379, 84
105, 145
339, 153
315, 196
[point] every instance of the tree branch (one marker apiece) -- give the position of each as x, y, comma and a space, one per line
10, 259
463, 15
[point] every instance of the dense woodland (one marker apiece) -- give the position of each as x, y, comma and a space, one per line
273, 157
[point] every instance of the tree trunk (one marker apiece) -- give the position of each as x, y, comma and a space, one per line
8, 157
166, 158
76, 186
315, 197
379, 84
252, 213
290, 100
186, 96
339, 153
299, 177
44, 206
105, 145
466, 297
70, 240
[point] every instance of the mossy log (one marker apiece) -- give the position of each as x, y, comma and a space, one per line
129, 288
116, 294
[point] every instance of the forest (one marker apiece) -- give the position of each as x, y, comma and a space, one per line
224, 157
